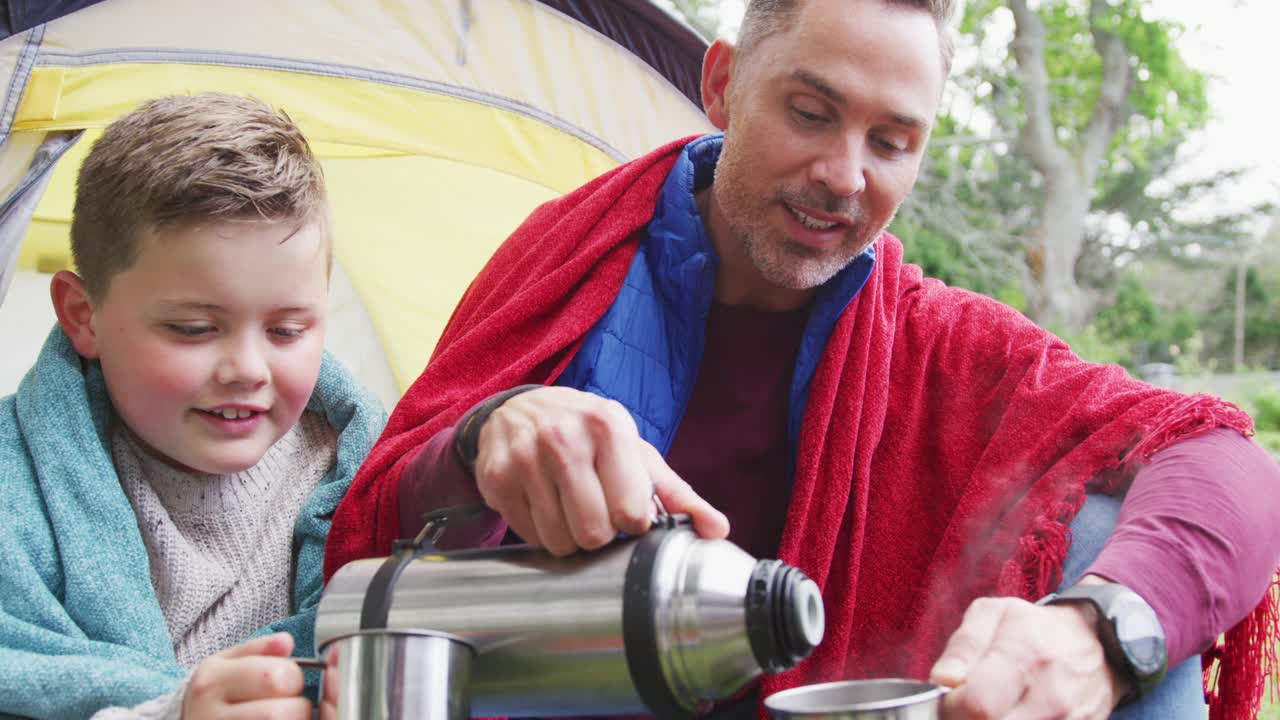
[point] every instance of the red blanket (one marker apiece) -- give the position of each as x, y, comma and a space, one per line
946, 445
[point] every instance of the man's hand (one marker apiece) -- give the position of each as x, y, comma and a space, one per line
252, 680
1014, 660
568, 470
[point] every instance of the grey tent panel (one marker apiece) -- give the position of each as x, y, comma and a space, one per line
19, 15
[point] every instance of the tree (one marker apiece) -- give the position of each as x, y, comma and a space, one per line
702, 15
1089, 96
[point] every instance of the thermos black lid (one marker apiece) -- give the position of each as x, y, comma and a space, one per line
783, 609
785, 617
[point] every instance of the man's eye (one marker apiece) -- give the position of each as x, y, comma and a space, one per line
808, 117
188, 330
889, 148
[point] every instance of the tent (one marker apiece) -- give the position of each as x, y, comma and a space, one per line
440, 124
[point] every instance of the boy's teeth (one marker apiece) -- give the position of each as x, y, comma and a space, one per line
811, 222
235, 413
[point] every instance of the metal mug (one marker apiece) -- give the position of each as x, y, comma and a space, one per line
882, 699
393, 674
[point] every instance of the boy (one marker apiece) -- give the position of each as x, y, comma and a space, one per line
171, 462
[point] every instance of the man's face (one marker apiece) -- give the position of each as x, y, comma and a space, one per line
825, 126
211, 342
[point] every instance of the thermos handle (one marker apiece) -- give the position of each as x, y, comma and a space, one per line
377, 599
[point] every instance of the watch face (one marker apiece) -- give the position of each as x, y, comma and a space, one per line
1139, 633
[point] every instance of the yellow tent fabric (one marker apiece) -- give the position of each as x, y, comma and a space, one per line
385, 180
434, 147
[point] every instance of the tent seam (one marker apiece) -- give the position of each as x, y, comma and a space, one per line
266, 62
21, 73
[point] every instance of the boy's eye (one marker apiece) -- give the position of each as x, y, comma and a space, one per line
286, 332
188, 330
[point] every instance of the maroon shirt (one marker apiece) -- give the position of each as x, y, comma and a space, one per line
732, 445
1190, 538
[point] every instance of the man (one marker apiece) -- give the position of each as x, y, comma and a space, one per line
729, 312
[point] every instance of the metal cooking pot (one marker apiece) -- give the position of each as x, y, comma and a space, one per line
884, 699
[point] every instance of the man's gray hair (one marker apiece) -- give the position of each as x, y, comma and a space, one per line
766, 17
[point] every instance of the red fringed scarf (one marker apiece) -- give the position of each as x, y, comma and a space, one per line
946, 446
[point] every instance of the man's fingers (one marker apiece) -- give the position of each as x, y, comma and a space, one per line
549, 525
545, 507
993, 686
568, 470
620, 465
678, 497
968, 643
501, 471
519, 517
290, 708
569, 476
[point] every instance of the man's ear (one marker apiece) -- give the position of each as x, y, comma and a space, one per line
717, 68
75, 312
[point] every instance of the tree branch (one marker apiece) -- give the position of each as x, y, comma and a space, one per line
1037, 135
954, 140
1112, 108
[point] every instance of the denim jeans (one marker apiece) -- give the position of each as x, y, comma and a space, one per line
1180, 696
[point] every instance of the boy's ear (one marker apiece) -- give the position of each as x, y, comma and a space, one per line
717, 68
75, 312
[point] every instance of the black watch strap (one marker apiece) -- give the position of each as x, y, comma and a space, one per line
1105, 598
466, 441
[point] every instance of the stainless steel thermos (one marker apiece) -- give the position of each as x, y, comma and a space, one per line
664, 623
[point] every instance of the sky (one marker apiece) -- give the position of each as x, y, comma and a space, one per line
1235, 42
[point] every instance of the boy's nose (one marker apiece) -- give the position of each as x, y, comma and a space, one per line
242, 364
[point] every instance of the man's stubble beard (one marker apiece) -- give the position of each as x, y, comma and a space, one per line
780, 260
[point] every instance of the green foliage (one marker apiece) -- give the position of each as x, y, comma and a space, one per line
1166, 88
1093, 346
1270, 441
1266, 410
1133, 213
702, 15
1132, 315
1135, 331
949, 259
1174, 92
1262, 319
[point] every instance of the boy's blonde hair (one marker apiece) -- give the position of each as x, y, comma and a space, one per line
188, 159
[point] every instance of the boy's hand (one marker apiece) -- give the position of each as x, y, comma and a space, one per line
255, 679
568, 470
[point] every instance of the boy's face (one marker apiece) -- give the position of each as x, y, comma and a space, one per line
211, 342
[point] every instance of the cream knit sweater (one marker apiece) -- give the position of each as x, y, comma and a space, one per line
220, 546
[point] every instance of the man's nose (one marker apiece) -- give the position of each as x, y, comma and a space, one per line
841, 168
242, 363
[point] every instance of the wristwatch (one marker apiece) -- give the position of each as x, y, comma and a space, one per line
1131, 635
